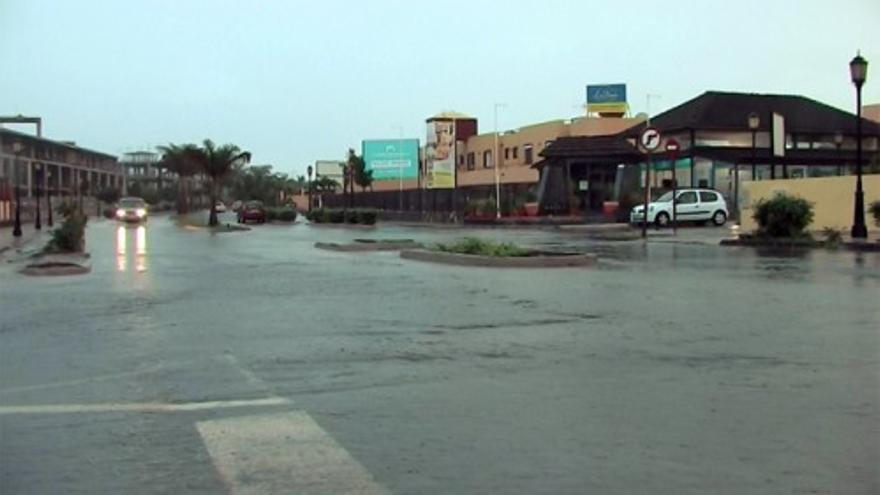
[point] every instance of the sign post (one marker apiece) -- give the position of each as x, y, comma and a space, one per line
672, 149
650, 141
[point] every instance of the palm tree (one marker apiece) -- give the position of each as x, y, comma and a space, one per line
217, 163
181, 159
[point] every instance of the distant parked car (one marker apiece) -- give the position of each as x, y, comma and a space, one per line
252, 211
219, 207
236, 205
132, 209
692, 205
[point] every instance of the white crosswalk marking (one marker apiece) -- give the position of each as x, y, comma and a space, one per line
283, 453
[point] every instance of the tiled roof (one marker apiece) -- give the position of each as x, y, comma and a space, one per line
716, 110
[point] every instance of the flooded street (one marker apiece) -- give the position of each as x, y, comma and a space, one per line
672, 368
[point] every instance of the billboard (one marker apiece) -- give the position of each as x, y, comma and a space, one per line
391, 158
440, 155
606, 98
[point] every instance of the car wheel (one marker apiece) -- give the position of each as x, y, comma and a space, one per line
662, 219
719, 218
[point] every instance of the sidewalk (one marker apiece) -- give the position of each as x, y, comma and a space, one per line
30, 239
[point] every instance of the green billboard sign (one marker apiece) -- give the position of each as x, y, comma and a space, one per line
392, 158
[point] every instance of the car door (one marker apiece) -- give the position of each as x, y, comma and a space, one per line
709, 203
687, 206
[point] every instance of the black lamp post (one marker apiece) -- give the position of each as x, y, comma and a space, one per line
49, 195
838, 141
754, 123
38, 224
858, 69
309, 170
16, 227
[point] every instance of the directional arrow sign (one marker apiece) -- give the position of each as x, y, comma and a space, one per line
650, 139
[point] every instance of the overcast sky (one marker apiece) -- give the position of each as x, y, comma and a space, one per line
295, 81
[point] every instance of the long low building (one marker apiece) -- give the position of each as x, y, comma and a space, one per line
34, 163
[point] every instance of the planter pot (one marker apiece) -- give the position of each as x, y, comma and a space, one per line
531, 209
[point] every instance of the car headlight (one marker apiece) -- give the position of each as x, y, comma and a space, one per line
120, 213
140, 212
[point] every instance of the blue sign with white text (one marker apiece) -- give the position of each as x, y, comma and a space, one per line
606, 93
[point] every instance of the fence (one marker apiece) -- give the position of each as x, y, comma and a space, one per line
434, 201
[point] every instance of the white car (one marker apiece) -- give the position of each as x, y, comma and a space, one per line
132, 209
219, 207
691, 205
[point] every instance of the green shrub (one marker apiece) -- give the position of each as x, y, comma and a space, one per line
70, 236
472, 245
352, 216
368, 217
337, 215
783, 215
875, 212
281, 214
833, 237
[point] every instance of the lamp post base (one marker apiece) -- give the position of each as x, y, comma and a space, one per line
859, 229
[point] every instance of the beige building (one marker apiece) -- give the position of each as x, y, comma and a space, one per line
518, 150
871, 112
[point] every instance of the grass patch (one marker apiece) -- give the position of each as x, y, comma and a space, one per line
472, 245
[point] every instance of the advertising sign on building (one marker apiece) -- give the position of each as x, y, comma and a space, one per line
392, 158
440, 154
606, 98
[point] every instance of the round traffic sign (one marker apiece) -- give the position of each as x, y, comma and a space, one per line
672, 147
650, 139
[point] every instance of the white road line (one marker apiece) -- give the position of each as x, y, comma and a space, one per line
141, 407
80, 381
283, 453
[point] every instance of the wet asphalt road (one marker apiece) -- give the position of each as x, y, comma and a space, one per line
669, 369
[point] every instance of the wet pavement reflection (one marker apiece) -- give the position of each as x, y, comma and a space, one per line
128, 236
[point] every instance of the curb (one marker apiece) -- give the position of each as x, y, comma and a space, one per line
544, 260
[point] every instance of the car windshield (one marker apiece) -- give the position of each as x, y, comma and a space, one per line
665, 198
132, 203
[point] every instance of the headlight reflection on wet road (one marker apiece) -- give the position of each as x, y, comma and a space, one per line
140, 248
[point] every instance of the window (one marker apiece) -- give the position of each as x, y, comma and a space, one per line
708, 197
515, 149
487, 159
527, 154
687, 197
471, 160
461, 159
507, 153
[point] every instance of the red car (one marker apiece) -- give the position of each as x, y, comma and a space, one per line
252, 211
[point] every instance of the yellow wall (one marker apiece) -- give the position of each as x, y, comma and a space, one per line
832, 199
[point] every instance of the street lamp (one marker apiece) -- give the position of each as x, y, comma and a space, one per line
49, 194
838, 142
17, 147
858, 70
754, 123
309, 171
496, 163
38, 224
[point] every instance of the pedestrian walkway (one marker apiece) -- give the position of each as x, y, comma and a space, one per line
30, 238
